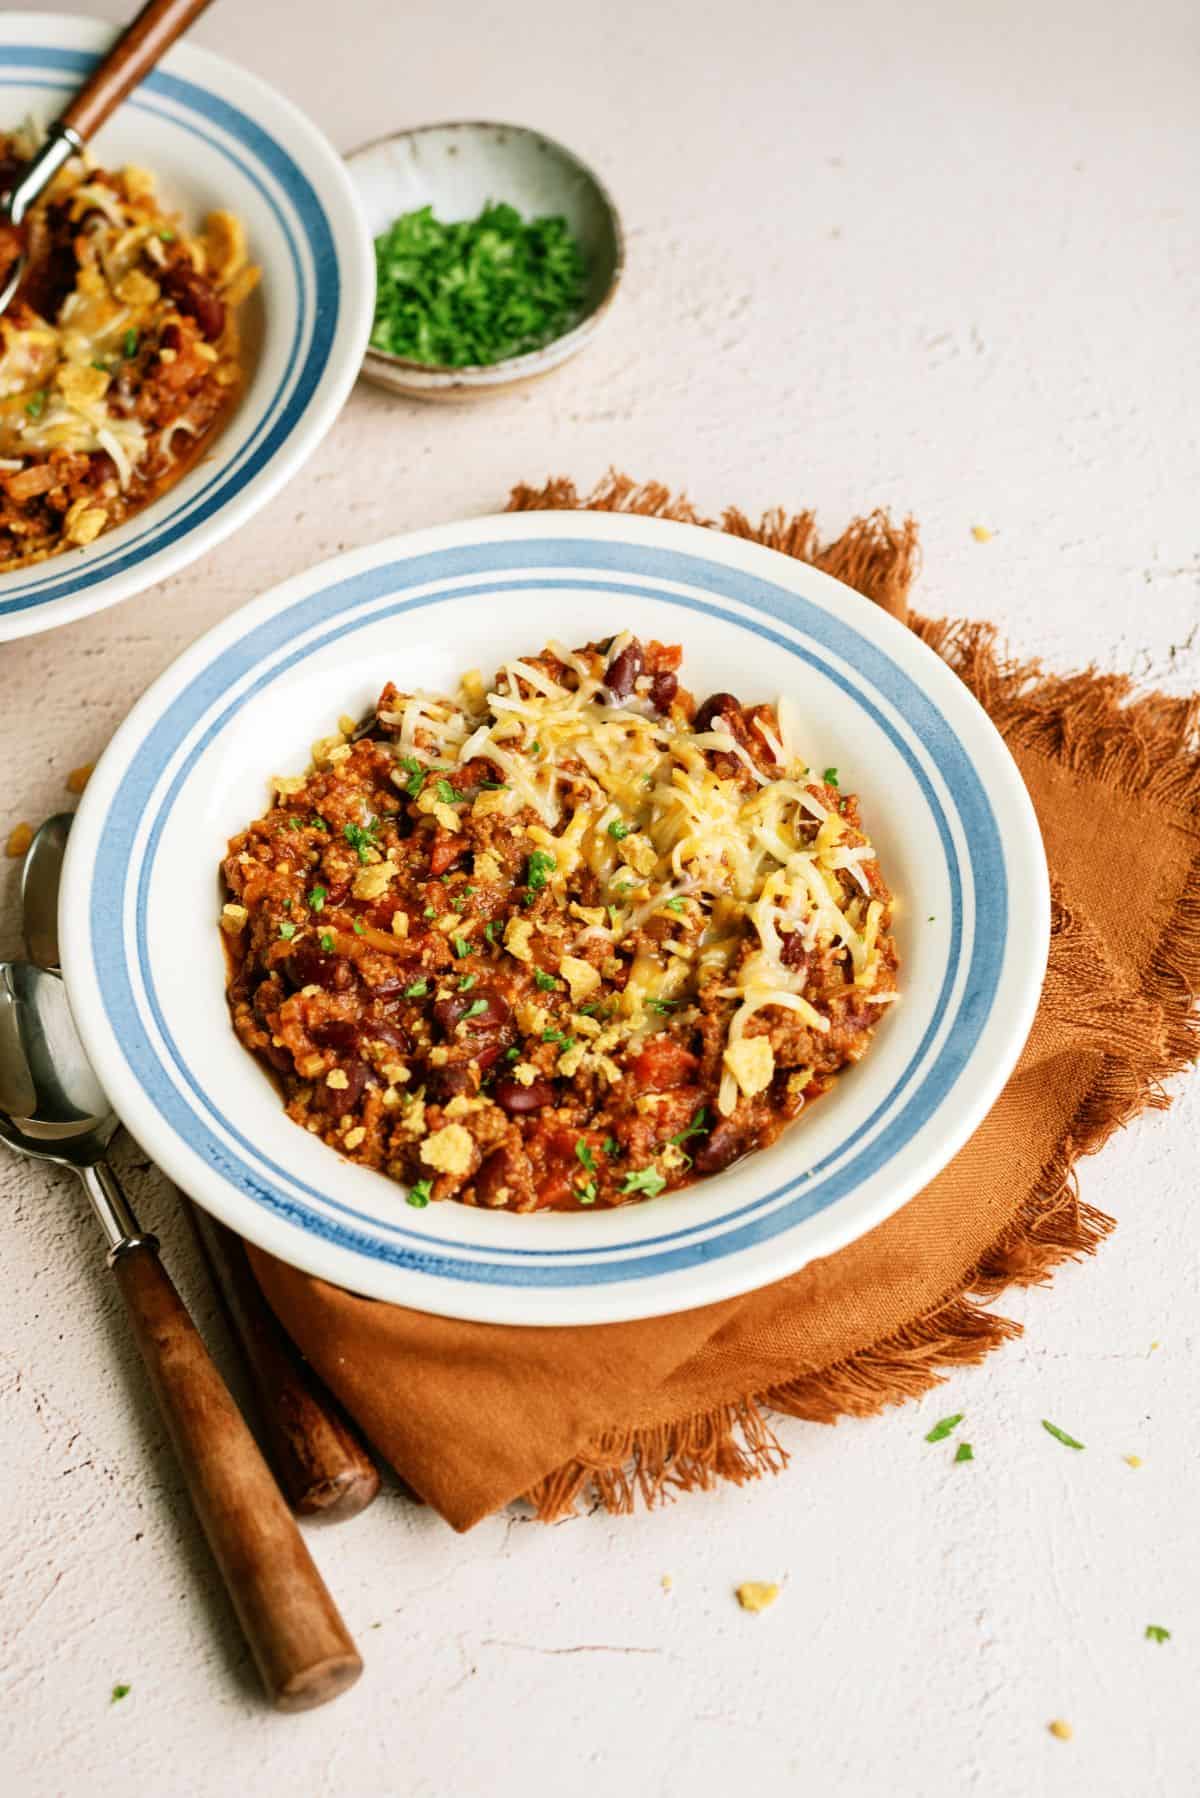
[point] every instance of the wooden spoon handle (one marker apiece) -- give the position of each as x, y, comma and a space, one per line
303, 1650
323, 1467
132, 57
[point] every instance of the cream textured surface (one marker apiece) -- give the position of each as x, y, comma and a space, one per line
940, 258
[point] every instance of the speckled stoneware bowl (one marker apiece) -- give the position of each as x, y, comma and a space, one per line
457, 169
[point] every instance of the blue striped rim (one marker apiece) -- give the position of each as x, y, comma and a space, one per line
343, 608
318, 304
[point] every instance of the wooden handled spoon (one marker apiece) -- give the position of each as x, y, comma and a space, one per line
53, 1109
130, 60
323, 1466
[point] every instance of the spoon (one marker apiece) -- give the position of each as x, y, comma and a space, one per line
321, 1463
131, 58
52, 1109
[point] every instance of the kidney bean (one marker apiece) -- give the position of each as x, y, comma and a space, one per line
310, 966
459, 1078
724, 1146
663, 689
385, 1030
624, 671
518, 1100
451, 1011
279, 1058
794, 954
341, 1034
336, 1101
712, 709
196, 297
504, 1167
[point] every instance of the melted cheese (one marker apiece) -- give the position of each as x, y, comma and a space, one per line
631, 796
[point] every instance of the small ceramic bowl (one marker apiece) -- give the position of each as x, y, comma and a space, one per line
457, 169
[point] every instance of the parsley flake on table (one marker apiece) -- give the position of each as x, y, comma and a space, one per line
1060, 1435
964, 1452
474, 291
119, 1692
946, 1427
1156, 1633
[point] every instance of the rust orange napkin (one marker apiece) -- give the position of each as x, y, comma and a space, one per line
475, 1415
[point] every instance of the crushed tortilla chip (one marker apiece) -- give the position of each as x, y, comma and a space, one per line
756, 1595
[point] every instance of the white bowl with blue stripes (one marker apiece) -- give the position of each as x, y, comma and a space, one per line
941, 796
215, 137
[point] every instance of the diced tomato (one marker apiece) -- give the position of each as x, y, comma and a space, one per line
445, 852
661, 1064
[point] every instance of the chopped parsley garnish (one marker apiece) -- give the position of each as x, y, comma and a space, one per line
295, 823
287, 930
941, 1430
165, 236
611, 1146
1154, 1633
319, 824
36, 404
964, 1452
547, 982
586, 1194
417, 776
361, 838
468, 892
1060, 1435
535, 749
490, 929
661, 1005
420, 1194
585, 1011
130, 344
584, 1156
287, 905
317, 898
119, 1692
467, 982
697, 1127
359, 926
474, 291
446, 793
461, 947
494, 786
429, 912
618, 829
675, 905
647, 1180
512, 1055
102, 366
830, 777
475, 1009
417, 990
556, 1036
327, 942
541, 865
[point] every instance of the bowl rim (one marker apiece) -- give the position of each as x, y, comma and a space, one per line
415, 1277
264, 108
529, 361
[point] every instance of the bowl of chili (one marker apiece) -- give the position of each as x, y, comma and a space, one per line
238, 713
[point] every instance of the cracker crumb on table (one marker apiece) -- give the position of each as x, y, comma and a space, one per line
756, 1595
